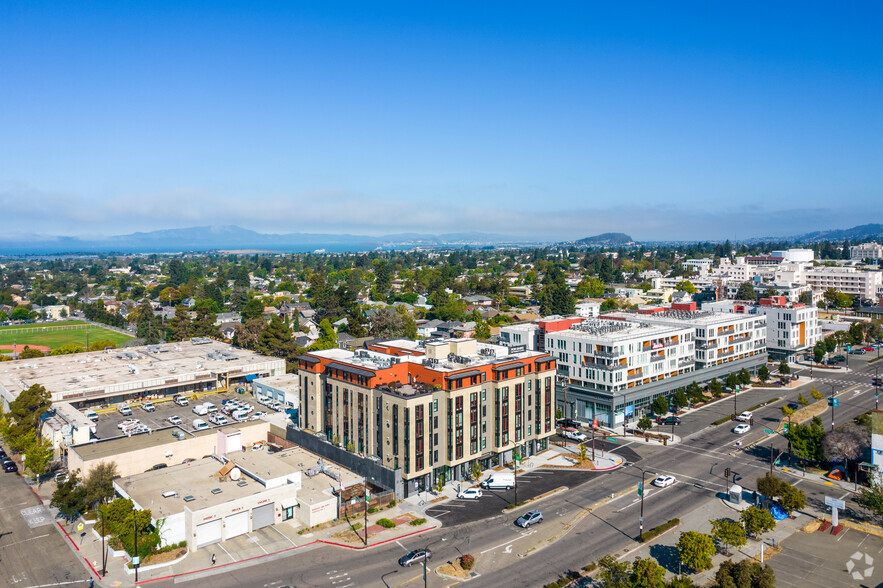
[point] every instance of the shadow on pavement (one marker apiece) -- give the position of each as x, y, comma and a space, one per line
667, 556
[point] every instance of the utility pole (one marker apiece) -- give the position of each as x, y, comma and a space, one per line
833, 402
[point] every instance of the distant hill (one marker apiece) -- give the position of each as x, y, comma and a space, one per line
868, 232
228, 237
605, 240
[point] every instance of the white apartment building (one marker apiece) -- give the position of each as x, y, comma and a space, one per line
847, 280
792, 328
520, 334
701, 266
739, 271
588, 309
719, 338
872, 251
614, 355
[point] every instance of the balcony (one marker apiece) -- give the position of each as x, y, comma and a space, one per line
655, 358
602, 366
740, 339
607, 354
684, 362
633, 377
701, 345
723, 354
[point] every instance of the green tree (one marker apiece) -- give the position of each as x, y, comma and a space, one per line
645, 423
254, 308
729, 533
67, 349
608, 304
787, 411
69, 497
680, 399
819, 350
660, 405
179, 328
277, 340
327, 337
745, 574
482, 330
871, 499
21, 313
815, 393
744, 377
102, 345
784, 368
555, 296
24, 416
686, 286
801, 399
37, 454
714, 386
757, 521
763, 373
732, 381
792, 498
98, 485
747, 292
806, 440
28, 353
696, 550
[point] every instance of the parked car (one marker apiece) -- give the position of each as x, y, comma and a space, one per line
148, 407
569, 423
125, 410
239, 415
175, 420
531, 517
740, 429
200, 409
669, 420
499, 480
839, 358
199, 425
210, 407
219, 419
869, 349
61, 477
472, 493
9, 466
258, 415
744, 417
415, 557
664, 481
573, 434
181, 400
91, 415
857, 352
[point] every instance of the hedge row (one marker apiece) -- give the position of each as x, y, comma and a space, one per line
657, 531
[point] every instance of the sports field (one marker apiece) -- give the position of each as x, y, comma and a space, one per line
54, 335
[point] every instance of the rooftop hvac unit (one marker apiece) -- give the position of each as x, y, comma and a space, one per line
235, 474
170, 494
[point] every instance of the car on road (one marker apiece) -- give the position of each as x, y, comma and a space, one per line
175, 420
148, 407
9, 466
839, 358
669, 420
664, 481
181, 400
574, 435
567, 423
471, 493
531, 517
740, 429
744, 417
125, 410
415, 557
869, 349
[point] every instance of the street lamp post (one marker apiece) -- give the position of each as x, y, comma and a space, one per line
832, 402
426, 556
135, 559
876, 386
641, 518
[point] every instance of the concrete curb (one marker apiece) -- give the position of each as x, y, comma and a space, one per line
363, 547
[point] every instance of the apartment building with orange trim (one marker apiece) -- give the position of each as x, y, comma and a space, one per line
430, 409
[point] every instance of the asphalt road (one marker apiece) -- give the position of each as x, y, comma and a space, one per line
515, 557
35, 555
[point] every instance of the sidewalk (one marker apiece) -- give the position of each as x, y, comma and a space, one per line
664, 548
555, 456
265, 544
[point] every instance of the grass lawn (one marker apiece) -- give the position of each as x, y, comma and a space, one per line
56, 338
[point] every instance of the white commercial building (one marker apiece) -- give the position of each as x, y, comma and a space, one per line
588, 309
799, 255
520, 334
719, 338
872, 251
847, 280
792, 328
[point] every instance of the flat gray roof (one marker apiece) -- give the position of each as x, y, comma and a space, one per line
129, 370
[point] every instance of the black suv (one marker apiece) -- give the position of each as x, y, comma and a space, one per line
669, 420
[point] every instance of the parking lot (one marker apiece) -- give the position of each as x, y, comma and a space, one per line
106, 426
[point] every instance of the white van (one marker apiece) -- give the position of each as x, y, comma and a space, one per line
240, 415
210, 407
199, 424
91, 415
499, 481
200, 409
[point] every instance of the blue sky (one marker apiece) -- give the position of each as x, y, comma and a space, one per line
684, 120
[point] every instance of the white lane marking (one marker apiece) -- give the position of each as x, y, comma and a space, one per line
230, 556
25, 540
522, 536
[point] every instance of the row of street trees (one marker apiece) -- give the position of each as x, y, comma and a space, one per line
20, 428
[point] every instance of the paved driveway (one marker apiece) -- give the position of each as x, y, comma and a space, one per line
810, 560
